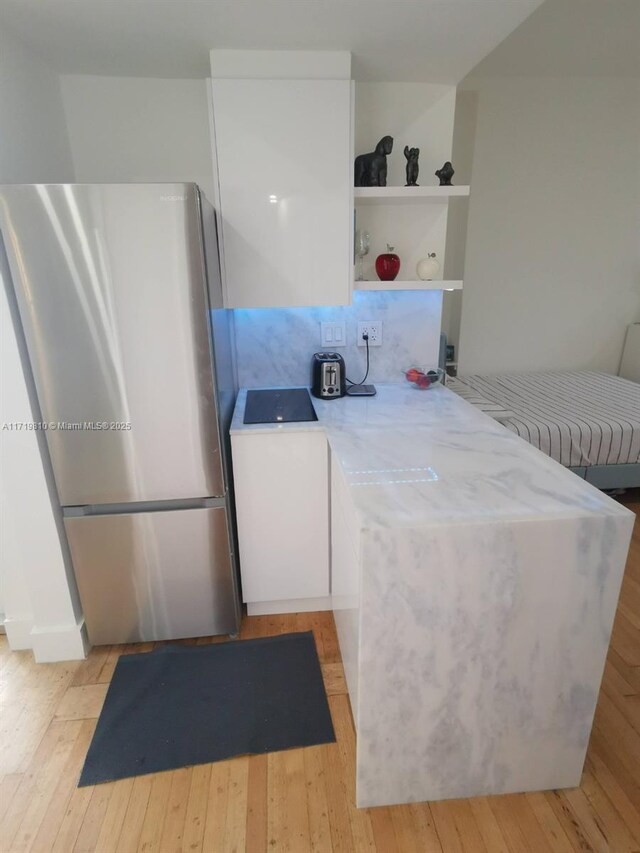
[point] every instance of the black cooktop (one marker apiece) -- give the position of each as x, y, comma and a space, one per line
282, 405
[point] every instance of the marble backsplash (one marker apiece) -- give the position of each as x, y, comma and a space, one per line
274, 345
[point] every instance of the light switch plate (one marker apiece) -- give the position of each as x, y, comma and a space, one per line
332, 335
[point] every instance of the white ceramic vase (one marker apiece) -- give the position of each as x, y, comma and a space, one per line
428, 268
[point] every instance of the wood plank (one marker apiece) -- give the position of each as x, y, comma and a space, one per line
256, 835
74, 816
468, 830
93, 818
253, 626
81, 703
518, 823
154, 816
444, 820
548, 820
383, 831
631, 595
64, 790
176, 811
8, 787
626, 640
337, 799
235, 830
414, 829
606, 817
589, 823
330, 646
5, 651
216, 814
334, 678
627, 705
31, 711
631, 615
615, 792
133, 821
489, 828
612, 721
287, 816
613, 681
89, 670
317, 805
114, 816
30, 802
109, 664
359, 819
577, 835
314, 622
631, 674
196, 808
616, 760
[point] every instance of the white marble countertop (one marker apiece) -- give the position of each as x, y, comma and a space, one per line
413, 458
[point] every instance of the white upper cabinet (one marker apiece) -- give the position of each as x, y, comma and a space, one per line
283, 151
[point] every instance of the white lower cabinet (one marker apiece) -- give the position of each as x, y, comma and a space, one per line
282, 504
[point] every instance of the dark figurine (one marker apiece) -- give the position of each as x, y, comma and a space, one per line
371, 169
445, 174
413, 168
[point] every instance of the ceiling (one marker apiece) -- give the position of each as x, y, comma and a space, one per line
438, 41
571, 38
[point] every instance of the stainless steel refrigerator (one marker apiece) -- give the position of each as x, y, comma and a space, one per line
116, 291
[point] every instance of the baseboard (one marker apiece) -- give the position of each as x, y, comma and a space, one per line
291, 605
59, 643
18, 633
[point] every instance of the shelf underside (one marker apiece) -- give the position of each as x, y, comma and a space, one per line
408, 285
407, 195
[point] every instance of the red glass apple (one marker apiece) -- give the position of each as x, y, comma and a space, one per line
388, 265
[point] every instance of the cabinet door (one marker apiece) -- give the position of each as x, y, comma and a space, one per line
282, 507
283, 150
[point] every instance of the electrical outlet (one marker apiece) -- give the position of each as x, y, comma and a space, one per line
332, 335
373, 328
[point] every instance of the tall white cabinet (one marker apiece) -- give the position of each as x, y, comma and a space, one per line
282, 140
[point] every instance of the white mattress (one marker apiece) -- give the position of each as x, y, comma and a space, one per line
578, 419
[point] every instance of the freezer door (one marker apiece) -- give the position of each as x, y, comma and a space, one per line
111, 287
154, 575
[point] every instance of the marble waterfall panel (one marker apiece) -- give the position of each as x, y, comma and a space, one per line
480, 662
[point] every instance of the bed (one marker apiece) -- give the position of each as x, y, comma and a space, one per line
587, 421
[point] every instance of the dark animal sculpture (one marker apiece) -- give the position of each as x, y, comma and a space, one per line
371, 169
413, 168
445, 174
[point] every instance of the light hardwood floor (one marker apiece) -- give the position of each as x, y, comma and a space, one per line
303, 799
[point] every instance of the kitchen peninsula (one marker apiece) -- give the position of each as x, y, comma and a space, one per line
474, 583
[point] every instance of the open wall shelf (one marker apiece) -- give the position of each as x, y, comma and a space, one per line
407, 195
407, 285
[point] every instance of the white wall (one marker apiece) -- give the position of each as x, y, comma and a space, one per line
40, 604
35, 145
42, 607
138, 129
552, 270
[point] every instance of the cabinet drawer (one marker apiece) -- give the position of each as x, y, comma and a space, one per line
154, 575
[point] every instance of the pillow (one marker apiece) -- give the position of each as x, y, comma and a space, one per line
495, 410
